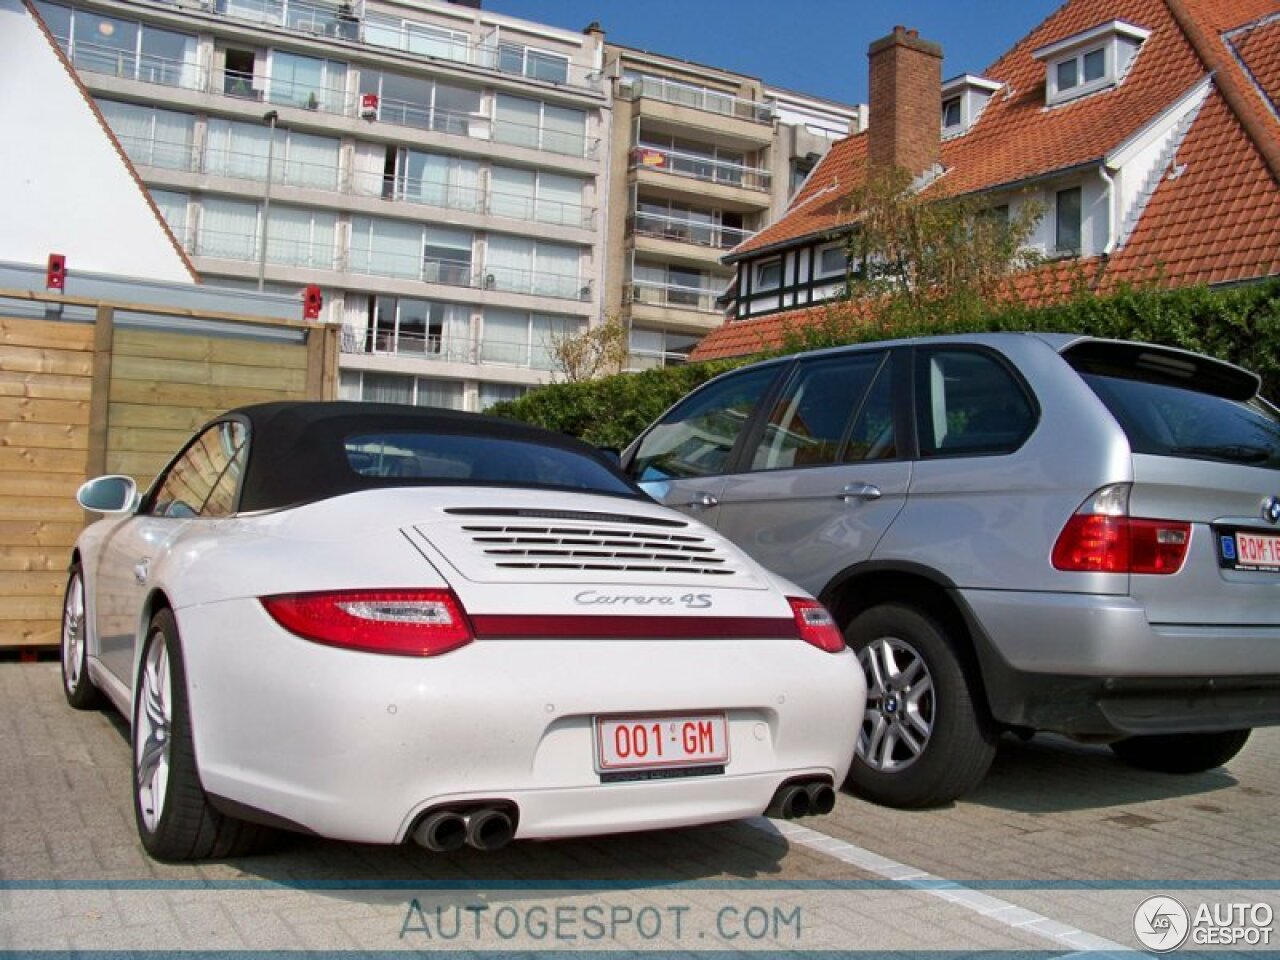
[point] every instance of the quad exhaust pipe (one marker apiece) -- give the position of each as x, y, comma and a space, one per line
802, 799
446, 830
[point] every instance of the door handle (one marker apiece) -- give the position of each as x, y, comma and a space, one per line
703, 501
860, 491
142, 570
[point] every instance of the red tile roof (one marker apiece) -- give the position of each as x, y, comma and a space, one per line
1215, 219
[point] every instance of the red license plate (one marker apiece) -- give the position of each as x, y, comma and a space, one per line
1257, 552
632, 743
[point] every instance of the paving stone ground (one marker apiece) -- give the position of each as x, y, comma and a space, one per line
1061, 840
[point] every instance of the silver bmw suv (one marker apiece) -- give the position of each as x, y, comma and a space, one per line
1017, 532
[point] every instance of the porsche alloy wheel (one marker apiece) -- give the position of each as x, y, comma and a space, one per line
76, 684
152, 733
174, 817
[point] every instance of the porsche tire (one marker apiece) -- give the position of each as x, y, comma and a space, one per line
174, 817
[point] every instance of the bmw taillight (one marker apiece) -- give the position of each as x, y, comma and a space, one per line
412, 623
1101, 537
816, 625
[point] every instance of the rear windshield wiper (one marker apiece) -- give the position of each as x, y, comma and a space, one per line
1240, 452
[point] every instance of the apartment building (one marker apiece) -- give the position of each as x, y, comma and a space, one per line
700, 160
457, 182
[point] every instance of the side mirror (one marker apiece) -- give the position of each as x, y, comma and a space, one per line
113, 494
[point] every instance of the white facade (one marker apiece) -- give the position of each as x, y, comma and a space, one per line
101, 222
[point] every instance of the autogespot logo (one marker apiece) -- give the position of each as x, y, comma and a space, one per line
1161, 924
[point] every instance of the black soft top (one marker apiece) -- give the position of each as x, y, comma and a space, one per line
298, 452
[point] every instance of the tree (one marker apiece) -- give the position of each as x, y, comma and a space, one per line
915, 258
594, 352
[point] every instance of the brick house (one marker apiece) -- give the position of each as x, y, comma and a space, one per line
1147, 130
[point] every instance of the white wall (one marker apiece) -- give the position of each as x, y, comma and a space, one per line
63, 187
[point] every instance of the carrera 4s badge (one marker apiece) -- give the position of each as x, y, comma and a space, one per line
691, 601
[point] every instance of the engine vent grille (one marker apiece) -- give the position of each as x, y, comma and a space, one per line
531, 546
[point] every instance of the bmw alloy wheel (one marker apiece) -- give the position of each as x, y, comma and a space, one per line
151, 738
900, 705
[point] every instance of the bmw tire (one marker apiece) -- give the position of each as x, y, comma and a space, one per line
1181, 753
926, 738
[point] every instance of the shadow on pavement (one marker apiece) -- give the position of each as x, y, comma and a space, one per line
1051, 774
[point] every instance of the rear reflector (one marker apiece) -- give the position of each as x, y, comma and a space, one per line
1102, 544
413, 623
816, 625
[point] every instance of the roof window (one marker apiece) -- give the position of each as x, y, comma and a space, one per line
1089, 62
963, 100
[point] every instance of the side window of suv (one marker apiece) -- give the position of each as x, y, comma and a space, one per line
968, 403
808, 422
696, 438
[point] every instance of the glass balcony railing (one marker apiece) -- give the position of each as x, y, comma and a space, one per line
700, 98
540, 210
287, 171
685, 230
309, 95
128, 65
411, 343
535, 355
568, 143
699, 167
537, 283
702, 299
407, 266
282, 250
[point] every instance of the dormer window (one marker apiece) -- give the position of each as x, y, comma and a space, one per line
1089, 62
963, 100
951, 113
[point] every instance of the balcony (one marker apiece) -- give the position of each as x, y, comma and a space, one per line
699, 98
320, 97
702, 168
443, 349
281, 251
306, 16
649, 293
685, 230
127, 65
536, 283
406, 266
252, 166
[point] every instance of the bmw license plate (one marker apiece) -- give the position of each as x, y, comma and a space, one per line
640, 743
1241, 550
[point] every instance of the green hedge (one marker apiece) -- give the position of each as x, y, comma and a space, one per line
1239, 324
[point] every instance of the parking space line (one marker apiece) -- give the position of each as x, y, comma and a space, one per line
992, 908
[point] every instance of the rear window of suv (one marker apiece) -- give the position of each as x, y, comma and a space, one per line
1200, 418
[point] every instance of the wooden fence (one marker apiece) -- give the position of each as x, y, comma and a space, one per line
117, 392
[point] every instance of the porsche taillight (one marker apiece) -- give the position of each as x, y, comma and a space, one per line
1101, 537
411, 623
816, 625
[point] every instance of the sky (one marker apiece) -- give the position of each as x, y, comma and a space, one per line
818, 47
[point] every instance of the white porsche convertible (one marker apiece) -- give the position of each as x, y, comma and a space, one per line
378, 623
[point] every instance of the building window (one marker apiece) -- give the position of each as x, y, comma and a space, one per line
541, 126
491, 393
1090, 61
832, 260
1086, 68
1068, 216
768, 275
537, 64
951, 117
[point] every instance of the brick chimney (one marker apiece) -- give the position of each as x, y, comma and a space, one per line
905, 126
